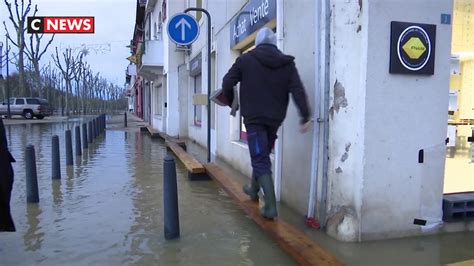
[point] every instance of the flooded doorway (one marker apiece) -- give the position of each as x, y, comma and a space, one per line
459, 172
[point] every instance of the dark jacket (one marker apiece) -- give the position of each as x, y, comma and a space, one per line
6, 182
267, 77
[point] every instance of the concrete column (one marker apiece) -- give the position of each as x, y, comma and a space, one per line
378, 123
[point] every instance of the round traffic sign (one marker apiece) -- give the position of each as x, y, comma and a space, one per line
183, 29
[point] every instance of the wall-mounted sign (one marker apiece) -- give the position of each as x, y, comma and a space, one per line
412, 48
446, 19
183, 29
255, 15
195, 65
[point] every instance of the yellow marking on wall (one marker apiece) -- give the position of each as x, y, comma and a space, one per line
414, 48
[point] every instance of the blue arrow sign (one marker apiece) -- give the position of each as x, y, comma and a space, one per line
183, 29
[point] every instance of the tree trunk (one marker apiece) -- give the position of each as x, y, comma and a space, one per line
37, 79
68, 84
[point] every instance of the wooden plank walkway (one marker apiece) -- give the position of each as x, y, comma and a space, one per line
193, 165
157, 134
293, 241
153, 132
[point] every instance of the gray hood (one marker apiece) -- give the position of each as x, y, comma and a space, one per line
265, 36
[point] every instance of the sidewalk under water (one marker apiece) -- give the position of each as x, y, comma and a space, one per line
107, 209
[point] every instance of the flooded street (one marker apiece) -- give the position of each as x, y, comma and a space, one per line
107, 209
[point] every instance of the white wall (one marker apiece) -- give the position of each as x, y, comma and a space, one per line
296, 155
417, 110
377, 187
346, 135
173, 59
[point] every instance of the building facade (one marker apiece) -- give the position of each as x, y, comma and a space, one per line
358, 170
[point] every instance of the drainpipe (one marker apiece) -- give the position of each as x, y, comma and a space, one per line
316, 113
279, 141
324, 136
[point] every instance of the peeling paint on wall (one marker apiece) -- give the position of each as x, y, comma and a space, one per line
342, 223
348, 147
344, 157
339, 100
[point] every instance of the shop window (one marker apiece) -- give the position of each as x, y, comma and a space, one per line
460, 132
197, 108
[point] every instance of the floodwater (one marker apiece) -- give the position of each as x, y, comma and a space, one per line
107, 209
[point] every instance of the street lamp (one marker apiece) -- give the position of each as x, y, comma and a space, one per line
1, 60
7, 82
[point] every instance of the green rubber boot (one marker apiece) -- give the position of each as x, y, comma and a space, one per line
269, 210
252, 190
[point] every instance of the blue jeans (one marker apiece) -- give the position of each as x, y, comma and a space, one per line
261, 139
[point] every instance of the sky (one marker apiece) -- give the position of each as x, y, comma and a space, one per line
114, 22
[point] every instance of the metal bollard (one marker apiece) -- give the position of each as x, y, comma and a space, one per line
68, 148
78, 141
90, 136
125, 119
97, 126
104, 122
84, 137
94, 135
101, 127
170, 199
100, 124
31, 175
97, 133
55, 158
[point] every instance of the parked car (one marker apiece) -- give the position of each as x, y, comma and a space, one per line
27, 107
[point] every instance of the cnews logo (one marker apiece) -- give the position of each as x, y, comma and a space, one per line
60, 24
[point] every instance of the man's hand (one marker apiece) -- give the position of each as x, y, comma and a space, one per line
305, 127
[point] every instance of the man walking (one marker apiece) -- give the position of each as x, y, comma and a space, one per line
6, 183
267, 77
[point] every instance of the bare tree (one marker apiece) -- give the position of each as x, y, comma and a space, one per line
34, 52
19, 23
67, 66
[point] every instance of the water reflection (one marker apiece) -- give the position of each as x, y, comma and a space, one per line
33, 238
108, 208
57, 193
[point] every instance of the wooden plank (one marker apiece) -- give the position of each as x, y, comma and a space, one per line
293, 241
153, 132
171, 139
193, 165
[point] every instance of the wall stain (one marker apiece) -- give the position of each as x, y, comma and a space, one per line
348, 146
344, 157
340, 100
359, 29
336, 217
339, 170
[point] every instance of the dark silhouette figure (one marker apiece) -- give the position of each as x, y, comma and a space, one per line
6, 183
